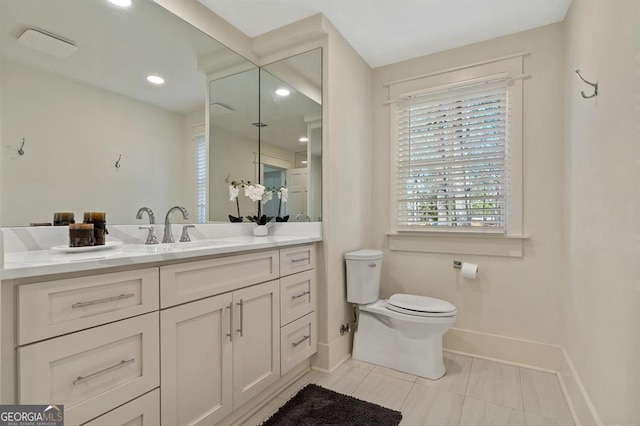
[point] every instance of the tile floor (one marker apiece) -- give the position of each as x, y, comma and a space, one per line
473, 392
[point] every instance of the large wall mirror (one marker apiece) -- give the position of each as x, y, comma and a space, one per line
275, 140
97, 135
81, 128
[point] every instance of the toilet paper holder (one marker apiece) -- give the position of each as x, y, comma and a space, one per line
457, 264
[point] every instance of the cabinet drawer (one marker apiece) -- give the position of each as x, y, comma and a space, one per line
297, 296
185, 282
53, 308
297, 259
297, 342
143, 411
92, 371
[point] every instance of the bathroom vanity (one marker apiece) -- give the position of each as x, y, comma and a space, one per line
167, 334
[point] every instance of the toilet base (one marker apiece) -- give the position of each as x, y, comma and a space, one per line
407, 345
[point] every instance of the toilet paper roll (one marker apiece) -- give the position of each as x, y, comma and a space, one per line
469, 270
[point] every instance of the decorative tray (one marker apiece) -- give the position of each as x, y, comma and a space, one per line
108, 245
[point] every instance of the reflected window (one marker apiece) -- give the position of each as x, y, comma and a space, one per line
201, 175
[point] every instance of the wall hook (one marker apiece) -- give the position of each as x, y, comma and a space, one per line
21, 150
118, 162
594, 85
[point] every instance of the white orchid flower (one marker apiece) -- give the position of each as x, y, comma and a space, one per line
268, 195
283, 194
233, 193
254, 192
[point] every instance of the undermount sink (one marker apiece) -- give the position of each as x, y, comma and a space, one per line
188, 245
174, 247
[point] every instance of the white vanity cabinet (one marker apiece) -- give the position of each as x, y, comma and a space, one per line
219, 352
89, 343
298, 333
181, 343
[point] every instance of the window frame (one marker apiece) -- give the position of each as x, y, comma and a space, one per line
466, 240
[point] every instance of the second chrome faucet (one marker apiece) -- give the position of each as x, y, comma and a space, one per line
168, 234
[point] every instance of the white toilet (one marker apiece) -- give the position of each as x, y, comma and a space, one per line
404, 332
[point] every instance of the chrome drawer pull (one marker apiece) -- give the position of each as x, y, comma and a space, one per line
295, 344
230, 334
297, 296
303, 259
122, 363
241, 304
105, 300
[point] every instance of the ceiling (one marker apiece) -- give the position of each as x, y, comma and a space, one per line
117, 48
388, 31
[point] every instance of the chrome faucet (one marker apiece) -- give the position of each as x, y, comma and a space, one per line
168, 234
151, 237
152, 218
302, 216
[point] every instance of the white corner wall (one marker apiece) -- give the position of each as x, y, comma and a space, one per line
602, 212
347, 189
513, 310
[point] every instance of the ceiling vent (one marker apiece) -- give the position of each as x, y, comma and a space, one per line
47, 43
219, 109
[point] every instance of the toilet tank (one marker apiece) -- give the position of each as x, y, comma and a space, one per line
363, 275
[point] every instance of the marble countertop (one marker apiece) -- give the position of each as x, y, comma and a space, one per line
35, 263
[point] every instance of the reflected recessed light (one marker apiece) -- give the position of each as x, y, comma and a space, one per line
282, 92
121, 3
155, 79
304, 161
303, 139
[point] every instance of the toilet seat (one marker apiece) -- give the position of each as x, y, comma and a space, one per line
422, 306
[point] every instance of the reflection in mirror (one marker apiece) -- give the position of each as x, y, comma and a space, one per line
84, 104
233, 141
291, 143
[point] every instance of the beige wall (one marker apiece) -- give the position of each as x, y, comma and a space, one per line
602, 289
347, 189
516, 298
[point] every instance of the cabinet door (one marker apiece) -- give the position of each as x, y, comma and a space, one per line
196, 370
256, 345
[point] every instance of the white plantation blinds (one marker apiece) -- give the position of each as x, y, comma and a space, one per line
201, 176
452, 159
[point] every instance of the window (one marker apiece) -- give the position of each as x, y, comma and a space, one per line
201, 176
452, 146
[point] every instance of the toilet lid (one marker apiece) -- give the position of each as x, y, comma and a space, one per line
364, 254
420, 305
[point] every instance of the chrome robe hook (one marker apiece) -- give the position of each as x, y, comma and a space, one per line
594, 85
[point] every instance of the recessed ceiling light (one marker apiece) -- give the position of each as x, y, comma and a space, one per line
303, 139
304, 161
155, 79
282, 92
121, 3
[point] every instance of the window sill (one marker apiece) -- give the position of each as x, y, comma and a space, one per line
479, 243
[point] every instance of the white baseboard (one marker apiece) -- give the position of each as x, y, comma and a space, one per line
583, 411
525, 353
331, 356
529, 354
